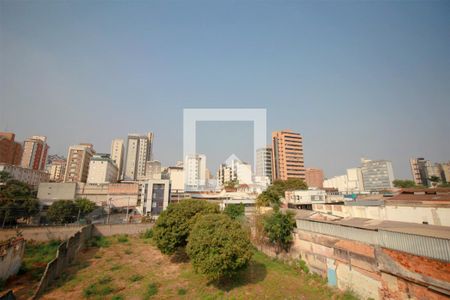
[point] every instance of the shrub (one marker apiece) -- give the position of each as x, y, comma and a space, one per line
303, 267
136, 277
99, 242
218, 246
128, 251
63, 212
123, 238
152, 290
235, 211
182, 292
173, 225
148, 234
278, 228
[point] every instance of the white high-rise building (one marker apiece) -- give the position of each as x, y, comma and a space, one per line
139, 151
195, 172
102, 169
377, 175
234, 169
264, 162
117, 152
244, 173
144, 154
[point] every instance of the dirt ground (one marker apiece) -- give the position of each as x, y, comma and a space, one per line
135, 269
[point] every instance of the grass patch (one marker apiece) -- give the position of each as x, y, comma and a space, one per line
182, 292
152, 290
148, 234
116, 267
105, 279
136, 277
122, 238
97, 290
37, 256
99, 242
128, 251
117, 297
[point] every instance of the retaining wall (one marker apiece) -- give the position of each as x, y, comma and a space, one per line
41, 234
11, 254
371, 271
113, 229
65, 255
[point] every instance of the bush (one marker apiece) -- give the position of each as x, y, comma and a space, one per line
123, 238
136, 277
148, 234
99, 242
173, 225
218, 246
303, 267
63, 212
278, 228
182, 292
235, 211
152, 290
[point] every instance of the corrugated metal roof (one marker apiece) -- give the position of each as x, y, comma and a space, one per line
423, 240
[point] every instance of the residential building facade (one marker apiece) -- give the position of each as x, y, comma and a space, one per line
35, 151
117, 154
57, 170
350, 183
314, 177
78, 159
195, 172
29, 176
153, 170
102, 169
10, 150
377, 175
264, 162
287, 155
139, 151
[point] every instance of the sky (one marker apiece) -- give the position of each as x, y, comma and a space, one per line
355, 78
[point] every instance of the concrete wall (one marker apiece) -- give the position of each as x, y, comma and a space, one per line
415, 214
50, 192
11, 254
369, 271
65, 255
109, 230
41, 234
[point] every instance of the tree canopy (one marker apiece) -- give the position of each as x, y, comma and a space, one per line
278, 227
68, 211
218, 246
17, 200
235, 211
400, 183
272, 195
172, 228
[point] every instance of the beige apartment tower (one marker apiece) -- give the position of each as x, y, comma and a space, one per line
287, 155
35, 151
78, 159
117, 154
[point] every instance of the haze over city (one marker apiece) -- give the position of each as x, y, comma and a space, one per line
356, 79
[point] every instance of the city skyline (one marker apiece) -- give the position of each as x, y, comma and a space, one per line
366, 80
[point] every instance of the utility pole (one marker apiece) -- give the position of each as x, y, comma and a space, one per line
128, 205
109, 210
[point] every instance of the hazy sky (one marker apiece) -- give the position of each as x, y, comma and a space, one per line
355, 78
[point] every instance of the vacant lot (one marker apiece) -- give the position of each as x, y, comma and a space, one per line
132, 268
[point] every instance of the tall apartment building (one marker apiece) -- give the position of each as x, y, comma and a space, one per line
10, 150
117, 153
419, 171
287, 155
139, 151
102, 169
35, 151
314, 177
153, 170
446, 171
225, 174
56, 169
78, 159
377, 175
264, 162
195, 172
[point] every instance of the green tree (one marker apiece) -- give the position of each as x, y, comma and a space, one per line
399, 183
278, 227
235, 211
63, 212
4, 176
272, 195
218, 246
172, 228
85, 206
232, 184
17, 201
